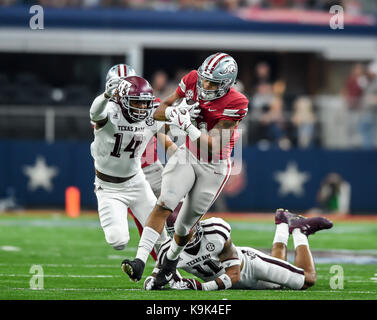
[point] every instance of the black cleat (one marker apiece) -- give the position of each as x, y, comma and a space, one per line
166, 272
134, 268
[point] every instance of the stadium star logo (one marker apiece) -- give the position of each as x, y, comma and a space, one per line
40, 175
291, 180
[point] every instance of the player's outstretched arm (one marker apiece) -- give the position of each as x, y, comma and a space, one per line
98, 113
229, 259
160, 113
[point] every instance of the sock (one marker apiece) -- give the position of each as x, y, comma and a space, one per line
148, 239
299, 238
174, 250
281, 233
163, 237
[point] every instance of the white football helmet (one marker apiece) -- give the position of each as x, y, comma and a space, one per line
120, 71
220, 68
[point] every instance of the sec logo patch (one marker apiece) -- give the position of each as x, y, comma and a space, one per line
149, 121
189, 94
210, 246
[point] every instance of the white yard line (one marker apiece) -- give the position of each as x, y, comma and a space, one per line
78, 289
62, 275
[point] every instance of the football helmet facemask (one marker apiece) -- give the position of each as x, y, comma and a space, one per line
197, 230
133, 91
219, 68
120, 71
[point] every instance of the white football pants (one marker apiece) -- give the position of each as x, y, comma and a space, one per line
113, 201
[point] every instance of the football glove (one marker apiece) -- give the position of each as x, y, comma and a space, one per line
149, 283
186, 284
193, 109
111, 87
180, 118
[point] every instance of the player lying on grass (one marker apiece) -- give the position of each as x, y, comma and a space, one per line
212, 257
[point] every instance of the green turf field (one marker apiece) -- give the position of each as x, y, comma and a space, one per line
78, 263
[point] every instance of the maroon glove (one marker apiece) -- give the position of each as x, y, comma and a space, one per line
192, 284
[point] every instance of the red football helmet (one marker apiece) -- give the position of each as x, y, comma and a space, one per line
135, 96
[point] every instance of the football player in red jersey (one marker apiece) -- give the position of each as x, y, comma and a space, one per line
200, 169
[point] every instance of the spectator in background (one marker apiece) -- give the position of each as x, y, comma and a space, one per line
334, 194
368, 121
355, 85
263, 91
274, 122
304, 120
9, 2
260, 99
160, 84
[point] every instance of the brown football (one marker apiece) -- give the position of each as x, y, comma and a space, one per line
190, 101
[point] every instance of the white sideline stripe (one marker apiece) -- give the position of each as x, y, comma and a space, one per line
61, 275
9, 248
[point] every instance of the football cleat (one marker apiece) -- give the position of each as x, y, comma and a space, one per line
134, 268
284, 216
310, 226
166, 272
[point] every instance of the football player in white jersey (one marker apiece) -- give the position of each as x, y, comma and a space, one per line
212, 257
123, 127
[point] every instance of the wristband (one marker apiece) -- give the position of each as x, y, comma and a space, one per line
210, 286
226, 280
168, 111
193, 132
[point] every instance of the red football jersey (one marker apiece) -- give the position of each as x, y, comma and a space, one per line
232, 106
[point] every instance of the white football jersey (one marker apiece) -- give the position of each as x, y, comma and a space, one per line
118, 146
203, 262
259, 270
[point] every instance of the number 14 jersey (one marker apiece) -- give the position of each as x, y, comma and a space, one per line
118, 145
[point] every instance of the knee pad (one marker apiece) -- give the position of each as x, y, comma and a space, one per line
167, 202
116, 238
181, 230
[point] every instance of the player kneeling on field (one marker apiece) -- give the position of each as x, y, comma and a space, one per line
212, 257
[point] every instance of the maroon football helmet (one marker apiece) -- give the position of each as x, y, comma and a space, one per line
135, 96
198, 229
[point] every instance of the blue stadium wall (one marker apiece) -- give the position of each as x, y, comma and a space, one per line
74, 167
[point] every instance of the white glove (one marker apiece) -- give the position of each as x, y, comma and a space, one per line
149, 283
186, 284
181, 119
111, 86
193, 109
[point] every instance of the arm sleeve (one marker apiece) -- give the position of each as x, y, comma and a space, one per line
98, 109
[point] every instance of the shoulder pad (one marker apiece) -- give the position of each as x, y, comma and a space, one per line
216, 226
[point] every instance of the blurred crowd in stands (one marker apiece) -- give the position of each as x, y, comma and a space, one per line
350, 6
274, 120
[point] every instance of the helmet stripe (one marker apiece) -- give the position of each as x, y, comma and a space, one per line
218, 60
119, 71
209, 62
125, 70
